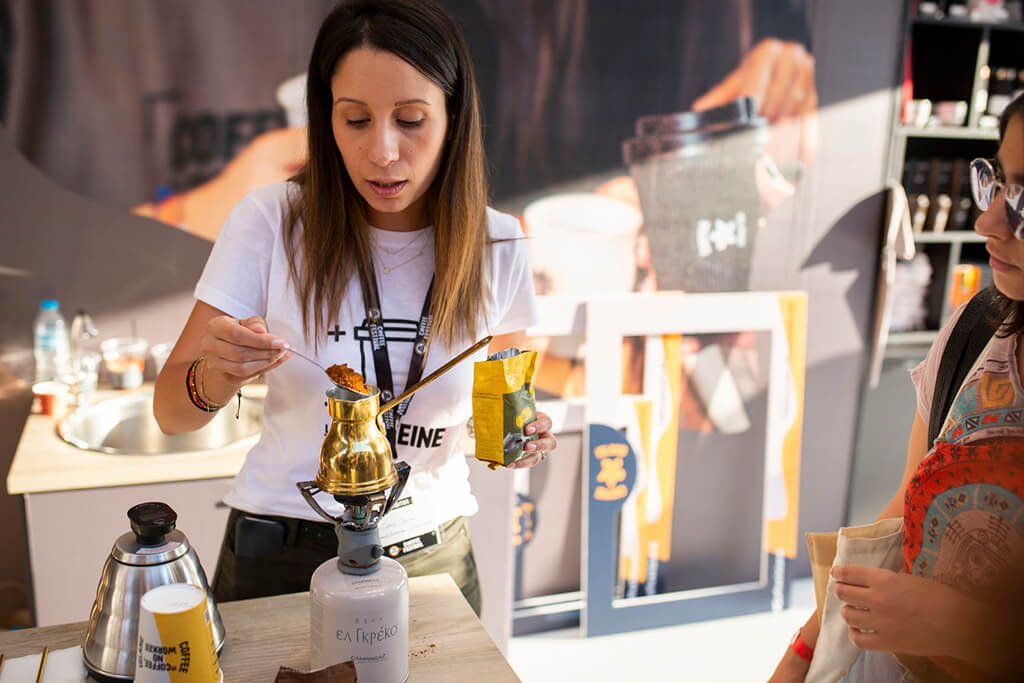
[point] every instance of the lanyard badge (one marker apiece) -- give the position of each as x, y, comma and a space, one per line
381, 360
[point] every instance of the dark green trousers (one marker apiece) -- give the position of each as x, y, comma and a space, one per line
287, 551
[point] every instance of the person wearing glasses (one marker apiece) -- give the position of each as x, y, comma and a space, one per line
955, 611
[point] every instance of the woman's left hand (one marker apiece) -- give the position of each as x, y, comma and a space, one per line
896, 612
537, 450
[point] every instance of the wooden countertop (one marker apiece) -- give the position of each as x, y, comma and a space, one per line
45, 462
268, 633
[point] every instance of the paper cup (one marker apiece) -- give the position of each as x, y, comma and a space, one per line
175, 637
52, 397
583, 243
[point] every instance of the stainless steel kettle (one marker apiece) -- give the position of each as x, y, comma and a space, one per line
153, 553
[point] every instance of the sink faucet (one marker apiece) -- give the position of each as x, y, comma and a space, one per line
81, 329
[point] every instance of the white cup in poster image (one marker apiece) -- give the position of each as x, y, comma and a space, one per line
583, 243
176, 637
291, 95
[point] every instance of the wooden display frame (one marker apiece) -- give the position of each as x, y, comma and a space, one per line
607, 322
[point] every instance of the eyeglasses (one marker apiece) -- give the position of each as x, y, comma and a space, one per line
986, 184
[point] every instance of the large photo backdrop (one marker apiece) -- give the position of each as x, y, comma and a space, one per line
651, 146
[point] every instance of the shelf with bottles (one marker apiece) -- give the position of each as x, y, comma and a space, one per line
959, 73
958, 81
935, 174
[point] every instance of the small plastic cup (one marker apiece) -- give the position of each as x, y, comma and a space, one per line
87, 379
125, 358
160, 353
51, 397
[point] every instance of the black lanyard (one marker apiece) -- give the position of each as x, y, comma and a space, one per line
381, 361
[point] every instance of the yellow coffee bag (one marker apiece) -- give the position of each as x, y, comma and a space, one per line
503, 404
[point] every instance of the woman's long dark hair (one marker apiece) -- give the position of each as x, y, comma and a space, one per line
1011, 312
333, 244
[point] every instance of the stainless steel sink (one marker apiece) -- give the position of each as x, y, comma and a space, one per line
125, 426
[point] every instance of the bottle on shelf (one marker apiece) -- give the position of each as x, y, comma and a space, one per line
51, 344
957, 8
988, 10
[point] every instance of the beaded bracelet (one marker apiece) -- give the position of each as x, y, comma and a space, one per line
193, 392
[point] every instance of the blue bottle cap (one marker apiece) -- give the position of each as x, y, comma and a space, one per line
49, 305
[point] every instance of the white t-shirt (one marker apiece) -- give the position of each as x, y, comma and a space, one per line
248, 275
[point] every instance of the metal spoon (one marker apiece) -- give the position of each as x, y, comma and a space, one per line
291, 349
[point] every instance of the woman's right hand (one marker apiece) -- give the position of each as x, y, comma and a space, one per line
237, 352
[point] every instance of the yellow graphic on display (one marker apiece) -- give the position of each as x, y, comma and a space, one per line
655, 531
654, 522
613, 471
522, 523
781, 534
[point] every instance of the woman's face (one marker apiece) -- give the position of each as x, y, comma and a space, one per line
390, 124
1006, 253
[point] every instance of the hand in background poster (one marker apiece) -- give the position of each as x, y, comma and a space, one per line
269, 158
780, 76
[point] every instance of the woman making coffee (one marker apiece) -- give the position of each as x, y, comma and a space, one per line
384, 234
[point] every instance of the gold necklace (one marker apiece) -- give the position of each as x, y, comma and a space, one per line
396, 252
388, 269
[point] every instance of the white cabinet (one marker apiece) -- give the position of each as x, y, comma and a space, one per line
70, 534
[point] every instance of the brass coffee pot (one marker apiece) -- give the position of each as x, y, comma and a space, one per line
355, 458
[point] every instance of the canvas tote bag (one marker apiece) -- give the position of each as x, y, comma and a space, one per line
877, 545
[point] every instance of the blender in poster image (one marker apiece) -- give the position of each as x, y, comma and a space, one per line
695, 176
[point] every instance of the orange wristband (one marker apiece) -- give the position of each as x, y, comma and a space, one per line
802, 649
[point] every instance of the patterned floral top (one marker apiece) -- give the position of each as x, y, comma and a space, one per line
964, 507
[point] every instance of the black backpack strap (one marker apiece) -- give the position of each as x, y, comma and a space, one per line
972, 332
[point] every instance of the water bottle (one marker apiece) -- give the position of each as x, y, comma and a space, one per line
51, 344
